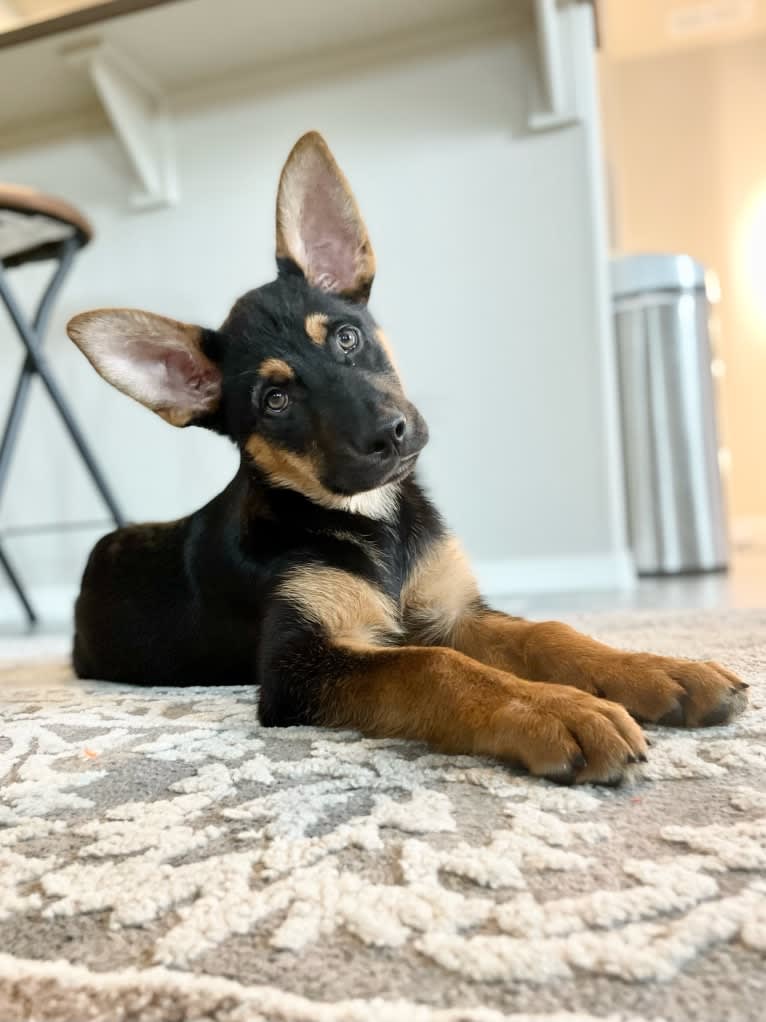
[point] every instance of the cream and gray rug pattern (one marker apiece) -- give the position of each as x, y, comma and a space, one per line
164, 858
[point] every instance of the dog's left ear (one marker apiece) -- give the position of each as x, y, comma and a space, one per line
319, 226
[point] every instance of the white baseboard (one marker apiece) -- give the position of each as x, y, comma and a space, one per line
565, 574
517, 576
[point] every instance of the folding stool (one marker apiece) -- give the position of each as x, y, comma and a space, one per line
36, 227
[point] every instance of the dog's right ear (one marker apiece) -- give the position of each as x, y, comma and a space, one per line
168, 366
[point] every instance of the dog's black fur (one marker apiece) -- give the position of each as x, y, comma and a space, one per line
323, 573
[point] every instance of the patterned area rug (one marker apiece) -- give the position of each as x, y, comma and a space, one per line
162, 858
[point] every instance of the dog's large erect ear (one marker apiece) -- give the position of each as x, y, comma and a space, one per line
160, 362
319, 226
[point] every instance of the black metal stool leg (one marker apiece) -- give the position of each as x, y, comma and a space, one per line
68, 250
13, 578
79, 440
19, 400
39, 365
13, 419
35, 363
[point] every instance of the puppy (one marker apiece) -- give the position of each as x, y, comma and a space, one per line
323, 573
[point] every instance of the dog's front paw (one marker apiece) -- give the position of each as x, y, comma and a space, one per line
565, 735
674, 692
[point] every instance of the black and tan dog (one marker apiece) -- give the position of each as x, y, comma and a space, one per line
322, 573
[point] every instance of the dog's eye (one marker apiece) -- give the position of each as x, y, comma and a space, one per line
276, 400
348, 338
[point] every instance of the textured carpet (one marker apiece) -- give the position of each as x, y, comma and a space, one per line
162, 858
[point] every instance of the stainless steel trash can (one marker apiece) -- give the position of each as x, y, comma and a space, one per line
670, 440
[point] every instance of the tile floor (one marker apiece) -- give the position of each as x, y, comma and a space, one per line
744, 585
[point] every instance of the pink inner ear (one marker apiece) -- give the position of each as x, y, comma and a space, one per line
330, 238
192, 383
168, 375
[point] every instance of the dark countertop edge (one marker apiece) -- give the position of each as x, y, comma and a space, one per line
81, 18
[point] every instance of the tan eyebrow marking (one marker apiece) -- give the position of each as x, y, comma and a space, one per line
316, 327
276, 369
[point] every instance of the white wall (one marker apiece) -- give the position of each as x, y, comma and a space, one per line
485, 252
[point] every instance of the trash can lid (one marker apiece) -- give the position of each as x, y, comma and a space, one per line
637, 274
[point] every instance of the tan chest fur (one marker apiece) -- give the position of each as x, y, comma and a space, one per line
353, 612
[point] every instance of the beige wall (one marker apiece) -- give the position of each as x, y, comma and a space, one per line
742, 159
639, 28
687, 154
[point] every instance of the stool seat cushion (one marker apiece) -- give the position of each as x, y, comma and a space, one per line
33, 224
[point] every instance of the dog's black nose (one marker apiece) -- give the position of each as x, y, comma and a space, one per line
389, 437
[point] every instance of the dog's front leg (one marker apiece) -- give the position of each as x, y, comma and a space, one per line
322, 661
442, 606
657, 689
